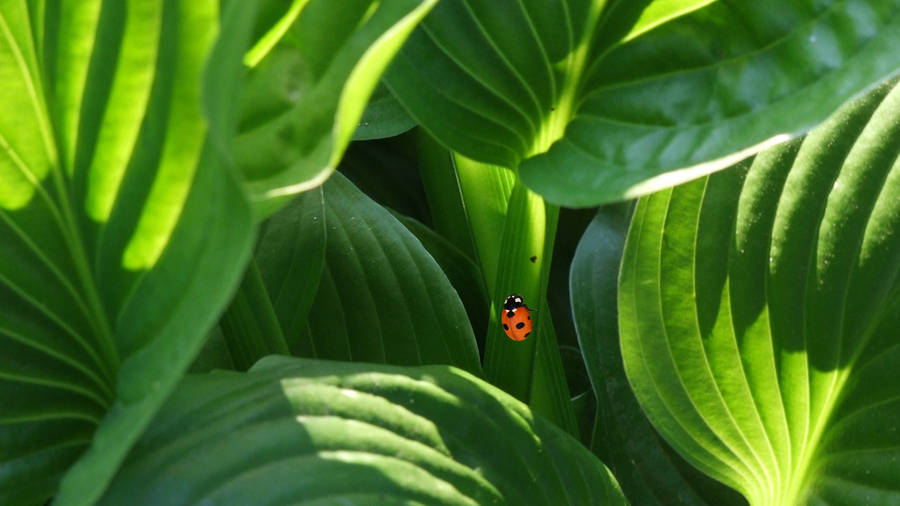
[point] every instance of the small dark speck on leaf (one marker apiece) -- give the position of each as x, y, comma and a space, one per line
533, 259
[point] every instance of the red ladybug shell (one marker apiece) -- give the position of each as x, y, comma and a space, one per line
516, 318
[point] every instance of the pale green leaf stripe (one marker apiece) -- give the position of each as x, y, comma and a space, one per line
73, 58
125, 109
26, 148
181, 151
761, 361
355, 432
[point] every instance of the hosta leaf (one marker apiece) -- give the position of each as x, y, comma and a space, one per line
312, 75
596, 101
381, 297
383, 117
760, 333
106, 176
649, 472
461, 271
249, 326
318, 432
290, 255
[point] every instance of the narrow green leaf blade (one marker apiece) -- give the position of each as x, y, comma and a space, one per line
356, 433
514, 231
770, 354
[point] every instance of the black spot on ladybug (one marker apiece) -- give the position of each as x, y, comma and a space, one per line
510, 313
533, 259
527, 334
505, 327
520, 325
529, 317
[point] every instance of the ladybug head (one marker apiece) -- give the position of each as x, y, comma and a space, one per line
512, 302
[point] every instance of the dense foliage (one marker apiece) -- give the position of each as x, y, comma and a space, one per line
255, 251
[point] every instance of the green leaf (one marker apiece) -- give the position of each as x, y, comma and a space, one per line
329, 433
381, 298
250, 328
107, 173
597, 101
383, 117
291, 255
487, 200
441, 184
649, 472
760, 333
513, 231
463, 273
312, 75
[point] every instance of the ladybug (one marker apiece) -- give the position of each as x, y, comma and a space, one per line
516, 318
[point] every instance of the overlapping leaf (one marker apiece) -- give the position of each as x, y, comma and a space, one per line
313, 73
328, 432
512, 232
383, 117
648, 471
106, 176
360, 287
596, 101
760, 333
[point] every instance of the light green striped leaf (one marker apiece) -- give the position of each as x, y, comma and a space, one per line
315, 432
107, 173
647, 469
594, 101
759, 308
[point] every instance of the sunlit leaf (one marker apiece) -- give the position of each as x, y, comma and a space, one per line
648, 470
107, 173
597, 101
312, 75
329, 433
760, 332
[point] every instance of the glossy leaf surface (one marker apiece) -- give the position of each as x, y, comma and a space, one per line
599, 101
329, 432
760, 333
312, 75
107, 172
381, 297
